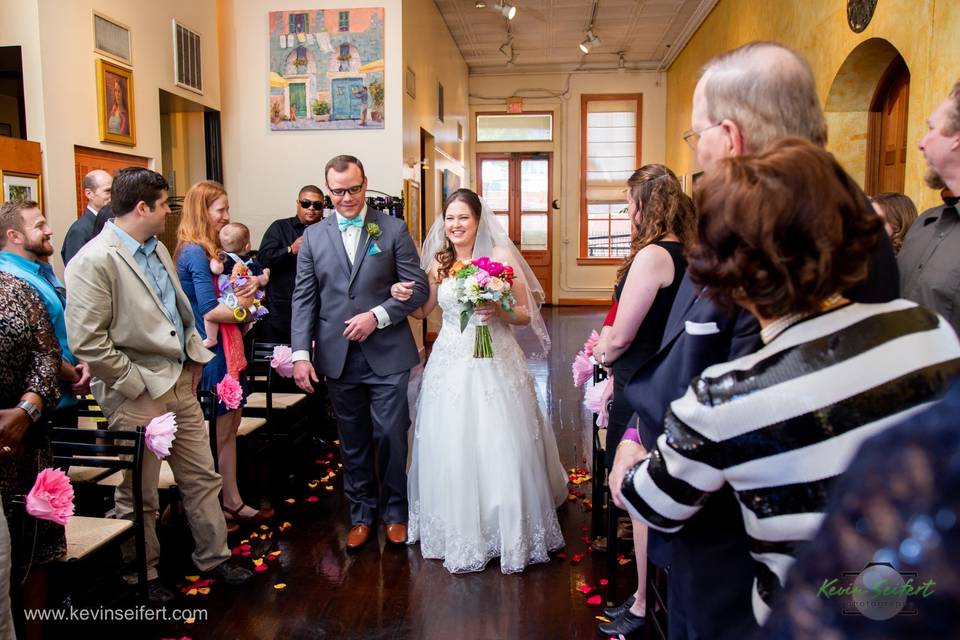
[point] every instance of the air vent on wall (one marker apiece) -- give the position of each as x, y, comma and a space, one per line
111, 38
186, 58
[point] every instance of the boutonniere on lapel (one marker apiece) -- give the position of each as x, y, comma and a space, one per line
374, 232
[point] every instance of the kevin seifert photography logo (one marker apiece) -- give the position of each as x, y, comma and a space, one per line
878, 591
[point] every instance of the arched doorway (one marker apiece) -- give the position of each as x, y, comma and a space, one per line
887, 131
866, 112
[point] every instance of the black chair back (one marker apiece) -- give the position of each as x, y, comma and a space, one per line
108, 449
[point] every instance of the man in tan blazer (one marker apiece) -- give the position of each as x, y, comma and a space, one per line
130, 320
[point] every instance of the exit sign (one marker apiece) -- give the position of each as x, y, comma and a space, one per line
514, 105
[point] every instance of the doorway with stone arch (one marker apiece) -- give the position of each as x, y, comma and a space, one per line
866, 110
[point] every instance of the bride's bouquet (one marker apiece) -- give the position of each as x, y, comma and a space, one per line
479, 281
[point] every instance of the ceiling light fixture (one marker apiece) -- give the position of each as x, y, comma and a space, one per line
480, 4
621, 63
591, 41
509, 11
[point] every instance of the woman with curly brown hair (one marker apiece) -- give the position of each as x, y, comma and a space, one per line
663, 220
780, 425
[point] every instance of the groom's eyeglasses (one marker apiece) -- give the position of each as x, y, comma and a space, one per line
316, 205
354, 190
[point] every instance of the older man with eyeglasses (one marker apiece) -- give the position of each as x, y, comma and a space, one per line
278, 252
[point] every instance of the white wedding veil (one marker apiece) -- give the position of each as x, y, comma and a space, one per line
491, 234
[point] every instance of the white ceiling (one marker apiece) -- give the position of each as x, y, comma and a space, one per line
649, 33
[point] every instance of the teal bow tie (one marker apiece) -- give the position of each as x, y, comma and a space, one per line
352, 222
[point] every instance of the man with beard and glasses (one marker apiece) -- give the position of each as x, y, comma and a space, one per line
929, 263
24, 247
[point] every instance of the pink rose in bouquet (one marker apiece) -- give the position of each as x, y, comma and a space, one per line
230, 392
591, 343
51, 497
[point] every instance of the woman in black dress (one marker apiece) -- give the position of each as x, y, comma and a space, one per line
647, 282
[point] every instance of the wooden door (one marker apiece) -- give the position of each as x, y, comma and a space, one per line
518, 187
887, 161
86, 160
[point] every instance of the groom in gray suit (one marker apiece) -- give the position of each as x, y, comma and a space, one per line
361, 342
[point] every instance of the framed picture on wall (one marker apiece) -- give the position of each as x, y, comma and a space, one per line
411, 209
21, 186
115, 104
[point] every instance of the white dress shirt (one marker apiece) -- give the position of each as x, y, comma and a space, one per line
351, 238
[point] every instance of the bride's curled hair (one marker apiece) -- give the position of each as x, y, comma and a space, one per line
446, 256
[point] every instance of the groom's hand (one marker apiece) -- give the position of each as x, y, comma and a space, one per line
360, 326
303, 374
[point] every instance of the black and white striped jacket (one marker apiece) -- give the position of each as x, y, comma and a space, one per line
781, 424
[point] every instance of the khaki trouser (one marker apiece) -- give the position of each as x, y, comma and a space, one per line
6, 613
192, 464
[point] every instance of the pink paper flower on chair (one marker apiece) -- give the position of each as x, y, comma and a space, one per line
230, 392
591, 343
582, 369
51, 497
593, 397
159, 435
282, 360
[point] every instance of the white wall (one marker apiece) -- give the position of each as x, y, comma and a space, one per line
263, 169
20, 27
61, 86
561, 93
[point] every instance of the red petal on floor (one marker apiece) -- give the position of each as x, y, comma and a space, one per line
261, 567
586, 539
594, 600
562, 555
577, 557
329, 456
312, 499
584, 588
604, 582
584, 528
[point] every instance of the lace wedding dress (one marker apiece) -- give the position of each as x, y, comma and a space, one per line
486, 477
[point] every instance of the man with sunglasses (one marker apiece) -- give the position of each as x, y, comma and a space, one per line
358, 337
278, 252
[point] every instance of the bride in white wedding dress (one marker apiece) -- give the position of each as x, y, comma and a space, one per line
486, 477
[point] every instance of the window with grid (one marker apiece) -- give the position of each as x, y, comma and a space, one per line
610, 152
344, 24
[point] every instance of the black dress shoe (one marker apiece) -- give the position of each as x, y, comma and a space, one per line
157, 594
625, 625
614, 612
232, 573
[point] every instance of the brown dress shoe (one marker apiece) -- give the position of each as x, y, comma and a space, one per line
397, 533
358, 536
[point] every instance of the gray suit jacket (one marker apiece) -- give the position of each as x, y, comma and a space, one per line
328, 292
117, 325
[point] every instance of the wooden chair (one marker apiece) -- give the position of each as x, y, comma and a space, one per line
272, 398
113, 451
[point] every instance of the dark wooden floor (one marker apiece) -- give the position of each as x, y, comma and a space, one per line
384, 591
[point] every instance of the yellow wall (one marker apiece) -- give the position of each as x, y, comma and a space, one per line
488, 93
61, 87
923, 31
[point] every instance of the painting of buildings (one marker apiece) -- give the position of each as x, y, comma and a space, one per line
326, 69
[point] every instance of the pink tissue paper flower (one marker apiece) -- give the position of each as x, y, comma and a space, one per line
51, 497
229, 391
159, 435
582, 369
282, 360
591, 343
593, 397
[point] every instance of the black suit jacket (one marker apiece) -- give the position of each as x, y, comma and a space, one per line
78, 235
710, 563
